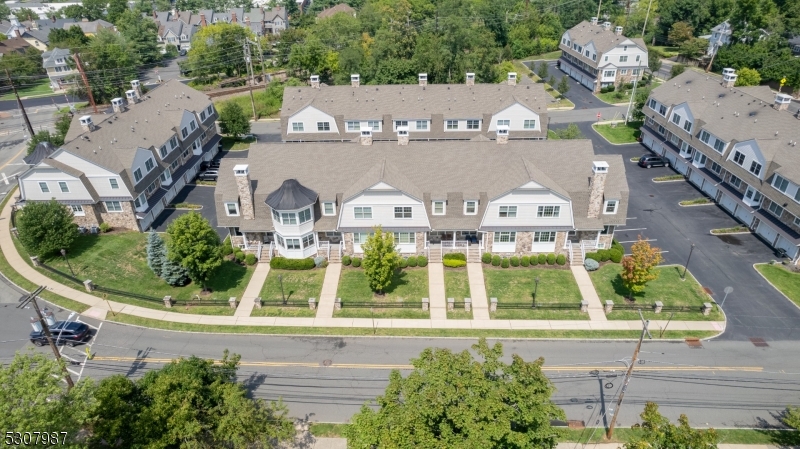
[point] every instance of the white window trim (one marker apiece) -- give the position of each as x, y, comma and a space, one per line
476, 207
608, 203
300, 128
62, 185
122, 209
113, 183
81, 213
149, 159
322, 125
333, 205
403, 212
363, 209
228, 211
444, 207
556, 211
508, 211
300, 216
44, 187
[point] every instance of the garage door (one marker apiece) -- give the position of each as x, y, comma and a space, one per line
766, 231
744, 215
787, 246
696, 179
671, 158
728, 203
647, 140
709, 188
657, 149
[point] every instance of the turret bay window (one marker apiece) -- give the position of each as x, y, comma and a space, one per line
505, 237
402, 212
305, 215
362, 212
289, 218
508, 212
292, 243
276, 217
548, 211
308, 241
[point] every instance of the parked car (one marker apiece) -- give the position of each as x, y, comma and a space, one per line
650, 160
70, 333
209, 165
208, 175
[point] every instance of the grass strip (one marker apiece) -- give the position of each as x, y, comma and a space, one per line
784, 280
731, 230
238, 144
185, 206
696, 201
668, 178
777, 437
620, 133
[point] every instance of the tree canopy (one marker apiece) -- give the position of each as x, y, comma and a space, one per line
195, 245
380, 259
233, 120
218, 48
45, 227
110, 62
659, 433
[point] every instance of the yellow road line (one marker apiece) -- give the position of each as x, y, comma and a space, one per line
24, 148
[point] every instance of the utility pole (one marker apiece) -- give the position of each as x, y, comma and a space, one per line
716, 48
646, 18
249, 61
628, 376
263, 68
85, 81
600, 2
21, 107
32, 300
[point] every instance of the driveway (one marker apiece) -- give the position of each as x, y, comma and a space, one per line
191, 193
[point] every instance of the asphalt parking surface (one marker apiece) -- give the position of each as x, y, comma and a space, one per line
195, 194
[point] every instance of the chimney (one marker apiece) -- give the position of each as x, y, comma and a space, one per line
131, 96
512, 78
155, 15
355, 80
86, 123
782, 102
618, 31
174, 14
596, 187
729, 77
423, 79
315, 81
594, 20
203, 22
366, 137
502, 134
16, 30
53, 18
243, 186
137, 89
402, 135
34, 24
233, 17
470, 79
247, 21
606, 26
118, 104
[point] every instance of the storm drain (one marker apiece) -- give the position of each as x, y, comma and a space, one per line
694, 343
758, 342
327, 362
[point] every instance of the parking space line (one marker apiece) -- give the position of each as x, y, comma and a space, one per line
73, 372
662, 252
631, 229
644, 240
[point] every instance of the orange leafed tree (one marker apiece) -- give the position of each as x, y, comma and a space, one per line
638, 268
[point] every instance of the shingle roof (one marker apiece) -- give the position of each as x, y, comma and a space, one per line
603, 39
341, 7
16, 44
90, 27
49, 57
291, 195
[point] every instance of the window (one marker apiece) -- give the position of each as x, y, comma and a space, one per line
704, 136
400, 123
473, 124
607, 230
44, 188
623, 71
719, 145
675, 140
587, 53
232, 209
137, 174
736, 182
504, 123
140, 200
505, 237
289, 218
165, 175
305, 215
63, 186
716, 168
610, 207
292, 243
687, 125
422, 125
609, 73
77, 210
323, 126
637, 57
308, 241
796, 221
452, 124
151, 187
548, 211
676, 119
755, 168
113, 206
753, 195
276, 217
354, 126
661, 130
149, 164
594, 56
362, 212
508, 212
184, 132
780, 183
163, 151
360, 237
637, 72
113, 182
623, 58
775, 208
544, 237
438, 208
192, 125
404, 237
185, 153
328, 209
402, 212
652, 104
699, 159
605, 59
529, 124
470, 207
738, 158
173, 142
297, 127
662, 110
374, 124
797, 196
202, 116
624, 48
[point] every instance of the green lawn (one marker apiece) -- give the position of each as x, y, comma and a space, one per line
510, 285
784, 280
664, 51
668, 288
119, 261
456, 286
727, 436
621, 133
410, 284
558, 101
39, 88
231, 144
298, 285
545, 56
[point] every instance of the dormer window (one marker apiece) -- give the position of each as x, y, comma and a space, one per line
202, 116
328, 208
192, 125
438, 207
232, 209
610, 207
149, 164
470, 207
163, 151
210, 109
184, 132
137, 174
755, 168
183, 37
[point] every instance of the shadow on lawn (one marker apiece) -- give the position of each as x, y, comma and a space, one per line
84, 243
228, 276
399, 278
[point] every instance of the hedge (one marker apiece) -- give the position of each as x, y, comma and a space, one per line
227, 249
403, 263
514, 261
356, 262
345, 260
250, 259
422, 261
534, 260
542, 259
239, 256
282, 263
551, 259
561, 259
412, 261
615, 255
504, 263
456, 256
454, 263
496, 260
603, 254
592, 256
486, 258
525, 261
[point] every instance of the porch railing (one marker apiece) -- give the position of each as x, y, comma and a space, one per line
324, 246
271, 249
569, 251
587, 245
258, 251
340, 250
454, 244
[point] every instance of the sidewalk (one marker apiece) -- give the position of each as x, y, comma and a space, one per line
436, 293
477, 288
330, 284
250, 294
588, 293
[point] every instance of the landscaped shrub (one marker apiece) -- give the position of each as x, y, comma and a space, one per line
454, 263
250, 259
319, 261
615, 255
525, 261
603, 254
496, 260
457, 256
551, 259
486, 258
541, 259
356, 261
514, 261
403, 263
345, 260
422, 261
283, 263
561, 259
105, 227
591, 264
412, 261
592, 256
227, 250
239, 257
504, 263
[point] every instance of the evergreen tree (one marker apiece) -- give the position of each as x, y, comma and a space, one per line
173, 273
155, 253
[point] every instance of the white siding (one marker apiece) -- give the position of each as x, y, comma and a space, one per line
30, 185
517, 114
631, 53
98, 176
298, 230
767, 231
309, 116
527, 202
782, 243
383, 203
751, 153
744, 214
138, 162
187, 117
686, 114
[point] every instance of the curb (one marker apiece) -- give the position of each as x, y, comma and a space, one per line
710, 203
773, 285
669, 180
729, 233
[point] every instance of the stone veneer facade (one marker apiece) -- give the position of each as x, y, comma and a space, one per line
91, 215
245, 196
596, 194
125, 219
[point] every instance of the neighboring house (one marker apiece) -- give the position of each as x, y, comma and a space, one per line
598, 57
340, 8
38, 31
720, 36
124, 167
44, 10
14, 45
60, 68
91, 28
519, 198
406, 112
794, 44
12, 28
735, 145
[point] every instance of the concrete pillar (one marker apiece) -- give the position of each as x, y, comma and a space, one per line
467, 304
585, 306
338, 304
706, 308
258, 302
88, 285
232, 302
451, 304
312, 303
168, 302
609, 306
658, 306
492, 304
35, 261
426, 303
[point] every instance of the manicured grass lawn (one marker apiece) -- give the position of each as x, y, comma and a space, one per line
621, 133
119, 261
231, 144
456, 286
668, 288
784, 280
727, 436
298, 285
328, 430
549, 56
511, 285
39, 88
409, 285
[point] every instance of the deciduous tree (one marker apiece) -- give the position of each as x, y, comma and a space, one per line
380, 259
748, 77
676, 70
639, 268
45, 136
45, 227
680, 32
195, 245
563, 85
70, 38
693, 47
218, 48
233, 121
543, 70
659, 433
110, 53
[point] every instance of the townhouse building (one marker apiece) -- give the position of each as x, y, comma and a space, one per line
509, 110
736, 144
43, 10
124, 166
597, 57
60, 68
501, 197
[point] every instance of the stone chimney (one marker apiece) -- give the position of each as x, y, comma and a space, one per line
594, 20
131, 96
118, 104
618, 31
502, 134
606, 26
782, 102
512, 78
233, 17
314, 81
203, 22
86, 123
247, 21
174, 14
423, 79
596, 187
470, 79
34, 24
402, 135
243, 186
137, 88
729, 77
366, 137
355, 80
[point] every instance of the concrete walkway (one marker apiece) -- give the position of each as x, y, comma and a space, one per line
329, 286
477, 288
436, 293
246, 304
588, 292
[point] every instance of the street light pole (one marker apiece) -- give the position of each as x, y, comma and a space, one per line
685, 267
535, 288
283, 295
64, 253
727, 291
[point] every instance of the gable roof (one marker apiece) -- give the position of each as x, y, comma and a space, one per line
49, 57
41, 151
340, 8
602, 39
14, 45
